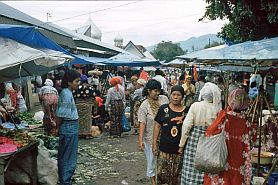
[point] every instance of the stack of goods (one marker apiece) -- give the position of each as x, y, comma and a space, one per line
17, 138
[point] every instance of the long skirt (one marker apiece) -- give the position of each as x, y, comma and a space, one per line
169, 168
191, 176
116, 115
135, 114
49, 104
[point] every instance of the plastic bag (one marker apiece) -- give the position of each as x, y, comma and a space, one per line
211, 153
125, 124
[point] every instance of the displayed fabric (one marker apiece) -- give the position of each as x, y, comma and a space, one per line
169, 168
238, 167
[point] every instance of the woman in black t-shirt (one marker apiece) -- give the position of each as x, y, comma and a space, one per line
169, 120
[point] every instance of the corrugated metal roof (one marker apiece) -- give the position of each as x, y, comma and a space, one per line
11, 12
9, 15
15, 16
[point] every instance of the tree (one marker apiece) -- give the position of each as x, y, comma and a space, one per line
248, 19
167, 51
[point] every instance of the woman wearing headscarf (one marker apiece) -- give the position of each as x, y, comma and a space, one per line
169, 120
48, 96
189, 90
200, 116
115, 103
147, 113
238, 136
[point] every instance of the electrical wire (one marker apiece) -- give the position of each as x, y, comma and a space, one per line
104, 9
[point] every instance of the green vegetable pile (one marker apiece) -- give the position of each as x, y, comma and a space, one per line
28, 117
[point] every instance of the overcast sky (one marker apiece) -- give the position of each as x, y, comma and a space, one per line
143, 22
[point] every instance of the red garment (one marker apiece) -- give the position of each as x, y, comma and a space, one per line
195, 73
99, 100
13, 96
144, 75
238, 134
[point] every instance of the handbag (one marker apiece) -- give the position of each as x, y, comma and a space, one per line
211, 154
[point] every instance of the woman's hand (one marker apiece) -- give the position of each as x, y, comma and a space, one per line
141, 146
154, 148
180, 151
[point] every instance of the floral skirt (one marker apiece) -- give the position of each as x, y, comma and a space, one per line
169, 168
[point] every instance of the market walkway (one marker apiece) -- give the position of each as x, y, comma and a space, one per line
110, 161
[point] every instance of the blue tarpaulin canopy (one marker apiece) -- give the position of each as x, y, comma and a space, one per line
128, 59
263, 53
88, 60
29, 36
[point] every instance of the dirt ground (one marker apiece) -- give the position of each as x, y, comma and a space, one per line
110, 161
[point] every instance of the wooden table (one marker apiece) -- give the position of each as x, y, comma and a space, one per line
20, 154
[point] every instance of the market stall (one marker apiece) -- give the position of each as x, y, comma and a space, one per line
256, 55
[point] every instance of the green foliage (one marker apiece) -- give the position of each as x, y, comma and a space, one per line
248, 19
213, 44
28, 117
167, 51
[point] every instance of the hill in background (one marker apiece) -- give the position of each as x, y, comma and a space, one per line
195, 43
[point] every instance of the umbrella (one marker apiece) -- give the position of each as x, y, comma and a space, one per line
18, 60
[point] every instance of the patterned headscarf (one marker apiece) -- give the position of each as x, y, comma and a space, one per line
115, 81
238, 100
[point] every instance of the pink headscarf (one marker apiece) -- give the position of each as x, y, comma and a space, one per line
238, 99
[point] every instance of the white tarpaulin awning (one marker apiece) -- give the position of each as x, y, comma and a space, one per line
20, 60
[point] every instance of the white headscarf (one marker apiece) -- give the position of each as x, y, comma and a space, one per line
48, 82
212, 94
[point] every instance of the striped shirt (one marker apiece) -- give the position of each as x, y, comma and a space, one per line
66, 106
